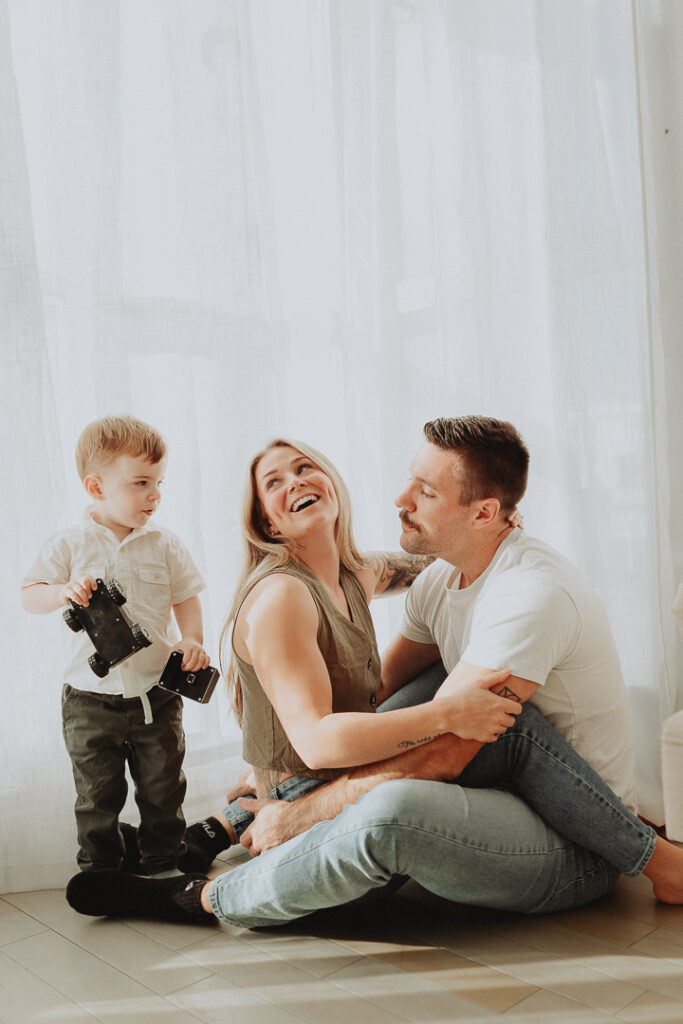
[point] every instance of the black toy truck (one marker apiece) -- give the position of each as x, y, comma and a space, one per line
196, 685
113, 635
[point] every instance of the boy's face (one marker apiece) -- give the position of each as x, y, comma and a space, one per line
126, 492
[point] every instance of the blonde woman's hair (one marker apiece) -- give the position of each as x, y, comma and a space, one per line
104, 440
264, 554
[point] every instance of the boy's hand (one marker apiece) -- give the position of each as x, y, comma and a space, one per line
78, 591
194, 655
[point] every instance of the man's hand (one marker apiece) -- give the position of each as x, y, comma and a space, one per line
194, 655
245, 786
275, 822
78, 590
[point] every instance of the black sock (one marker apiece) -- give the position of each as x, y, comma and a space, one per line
186, 895
204, 841
116, 894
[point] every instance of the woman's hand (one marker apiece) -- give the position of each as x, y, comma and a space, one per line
479, 714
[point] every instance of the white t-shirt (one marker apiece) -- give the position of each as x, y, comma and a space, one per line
532, 612
155, 571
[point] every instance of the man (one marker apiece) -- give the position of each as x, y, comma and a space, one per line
492, 598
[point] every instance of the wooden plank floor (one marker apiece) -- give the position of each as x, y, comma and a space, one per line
412, 957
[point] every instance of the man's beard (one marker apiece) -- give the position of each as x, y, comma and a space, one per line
413, 542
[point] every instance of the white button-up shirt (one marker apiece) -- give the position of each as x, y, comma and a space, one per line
156, 572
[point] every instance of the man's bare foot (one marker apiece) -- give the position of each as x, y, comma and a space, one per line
665, 871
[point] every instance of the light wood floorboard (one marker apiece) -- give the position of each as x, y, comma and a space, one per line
411, 958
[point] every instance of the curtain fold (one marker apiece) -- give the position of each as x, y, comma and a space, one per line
335, 220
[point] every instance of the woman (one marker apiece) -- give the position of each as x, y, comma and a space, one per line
305, 675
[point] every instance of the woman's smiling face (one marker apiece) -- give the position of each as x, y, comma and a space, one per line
295, 494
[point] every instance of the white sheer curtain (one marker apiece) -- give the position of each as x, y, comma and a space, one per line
334, 220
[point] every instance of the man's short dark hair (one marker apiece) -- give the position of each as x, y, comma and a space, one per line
494, 457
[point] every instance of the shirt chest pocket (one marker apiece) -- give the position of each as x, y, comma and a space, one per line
155, 585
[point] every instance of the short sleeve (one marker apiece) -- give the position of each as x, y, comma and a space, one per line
524, 623
52, 564
186, 580
415, 626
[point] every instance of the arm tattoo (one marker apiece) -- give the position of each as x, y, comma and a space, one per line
396, 570
505, 691
416, 743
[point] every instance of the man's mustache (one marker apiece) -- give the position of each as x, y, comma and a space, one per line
405, 518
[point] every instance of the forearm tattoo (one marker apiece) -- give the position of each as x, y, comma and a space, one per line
505, 691
396, 570
416, 743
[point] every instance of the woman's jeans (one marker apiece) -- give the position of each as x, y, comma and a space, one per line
556, 837
290, 789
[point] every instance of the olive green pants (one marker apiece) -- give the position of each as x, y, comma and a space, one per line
104, 733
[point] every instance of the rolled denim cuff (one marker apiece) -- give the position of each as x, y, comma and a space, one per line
290, 789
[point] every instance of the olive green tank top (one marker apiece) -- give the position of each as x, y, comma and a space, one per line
349, 649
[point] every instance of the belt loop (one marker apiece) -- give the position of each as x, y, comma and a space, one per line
147, 708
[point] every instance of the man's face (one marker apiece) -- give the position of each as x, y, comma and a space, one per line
433, 520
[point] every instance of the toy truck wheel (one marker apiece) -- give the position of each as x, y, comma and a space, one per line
140, 635
98, 665
115, 592
72, 620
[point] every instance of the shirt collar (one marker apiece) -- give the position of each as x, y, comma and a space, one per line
91, 524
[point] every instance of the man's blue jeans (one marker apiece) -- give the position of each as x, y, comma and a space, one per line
481, 846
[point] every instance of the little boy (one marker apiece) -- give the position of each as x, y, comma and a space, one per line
124, 717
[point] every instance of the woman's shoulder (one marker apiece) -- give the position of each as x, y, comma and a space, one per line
278, 609
276, 592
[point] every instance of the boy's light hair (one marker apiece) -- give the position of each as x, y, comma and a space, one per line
104, 440
263, 554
